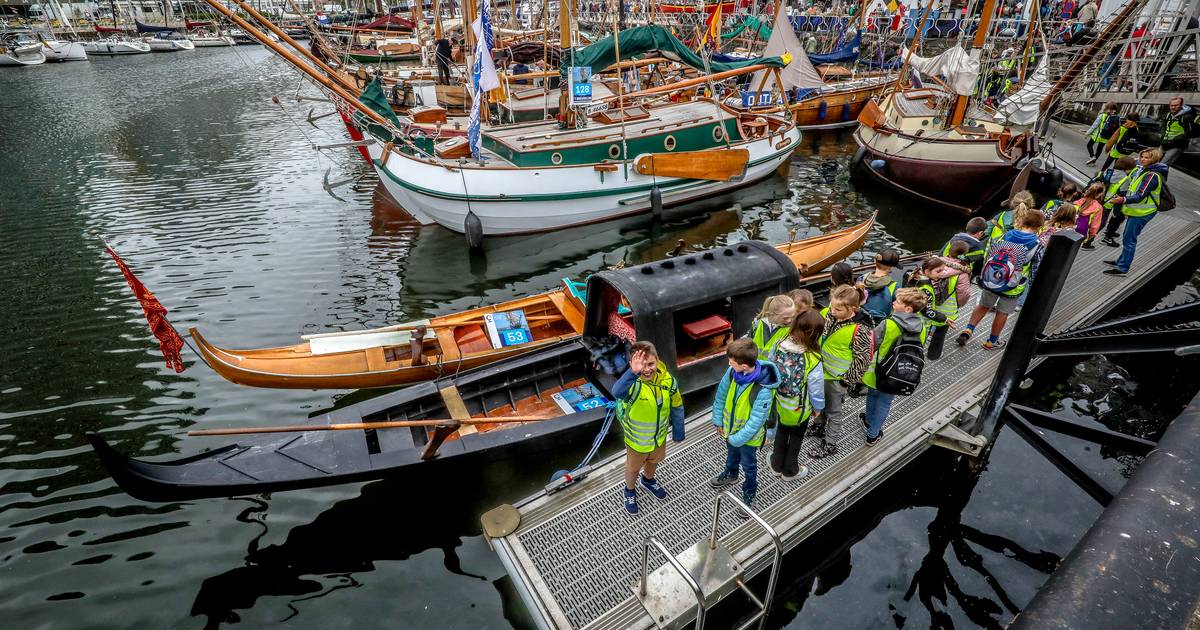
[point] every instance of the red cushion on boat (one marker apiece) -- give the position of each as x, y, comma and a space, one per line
710, 326
620, 327
471, 339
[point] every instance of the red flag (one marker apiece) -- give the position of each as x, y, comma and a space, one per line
898, 18
156, 315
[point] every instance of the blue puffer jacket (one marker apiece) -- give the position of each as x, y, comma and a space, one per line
769, 380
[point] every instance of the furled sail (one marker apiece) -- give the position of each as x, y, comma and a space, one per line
1022, 107
959, 68
799, 73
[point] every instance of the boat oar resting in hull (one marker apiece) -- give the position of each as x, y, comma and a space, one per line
451, 344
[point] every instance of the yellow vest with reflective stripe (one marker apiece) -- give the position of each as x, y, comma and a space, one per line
891, 334
1097, 134
1121, 131
1114, 190
767, 346
948, 306
645, 414
1149, 204
1001, 224
737, 410
836, 351
1173, 129
794, 411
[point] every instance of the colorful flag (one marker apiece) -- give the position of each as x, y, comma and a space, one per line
484, 77
713, 31
156, 315
898, 18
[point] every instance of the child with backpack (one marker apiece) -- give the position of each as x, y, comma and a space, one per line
1006, 220
845, 354
1124, 141
972, 237
801, 392
941, 301
1064, 218
1116, 181
1091, 214
898, 360
1067, 193
1102, 129
956, 265
880, 286
770, 326
743, 403
1005, 278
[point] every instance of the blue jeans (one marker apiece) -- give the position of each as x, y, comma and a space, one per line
878, 406
1133, 228
747, 456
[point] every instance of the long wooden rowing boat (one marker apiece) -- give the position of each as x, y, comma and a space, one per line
383, 357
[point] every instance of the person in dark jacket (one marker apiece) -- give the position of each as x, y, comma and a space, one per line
1126, 140
1178, 127
443, 53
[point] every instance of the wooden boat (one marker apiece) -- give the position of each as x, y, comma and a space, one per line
383, 357
838, 104
565, 386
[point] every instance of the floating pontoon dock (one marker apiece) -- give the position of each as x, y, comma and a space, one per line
576, 555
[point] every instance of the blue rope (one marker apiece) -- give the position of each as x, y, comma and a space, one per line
607, 424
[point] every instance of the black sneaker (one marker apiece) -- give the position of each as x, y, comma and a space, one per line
963, 337
1110, 242
1111, 262
1087, 246
872, 442
863, 418
748, 499
1115, 272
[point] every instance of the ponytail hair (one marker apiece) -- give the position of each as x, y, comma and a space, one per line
774, 305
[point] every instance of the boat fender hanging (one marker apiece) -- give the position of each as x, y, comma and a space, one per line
473, 229
823, 109
845, 112
878, 164
656, 207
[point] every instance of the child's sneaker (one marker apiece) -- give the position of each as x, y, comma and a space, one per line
863, 418
748, 499
654, 488
631, 501
800, 474
994, 345
723, 480
963, 337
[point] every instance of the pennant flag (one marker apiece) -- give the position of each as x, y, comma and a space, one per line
484, 77
156, 315
713, 31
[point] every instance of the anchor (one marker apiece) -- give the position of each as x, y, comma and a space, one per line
312, 120
301, 97
329, 186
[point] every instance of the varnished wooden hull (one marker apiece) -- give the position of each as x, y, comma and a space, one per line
837, 109
295, 367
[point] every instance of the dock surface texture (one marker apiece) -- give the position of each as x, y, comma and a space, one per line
576, 555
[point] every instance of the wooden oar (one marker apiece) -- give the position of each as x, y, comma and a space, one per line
350, 426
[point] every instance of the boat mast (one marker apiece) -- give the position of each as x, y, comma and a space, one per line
564, 42
985, 21
284, 37
437, 20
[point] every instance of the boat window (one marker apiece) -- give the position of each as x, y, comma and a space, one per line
669, 143
718, 133
556, 158
614, 151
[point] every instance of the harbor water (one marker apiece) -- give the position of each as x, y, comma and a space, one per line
214, 195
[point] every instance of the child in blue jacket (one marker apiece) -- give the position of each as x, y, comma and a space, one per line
740, 411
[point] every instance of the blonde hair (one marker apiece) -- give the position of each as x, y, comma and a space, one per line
913, 298
1094, 191
1156, 154
1021, 203
775, 305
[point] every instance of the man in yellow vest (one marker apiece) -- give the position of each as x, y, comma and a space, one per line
740, 411
648, 402
1178, 127
1140, 204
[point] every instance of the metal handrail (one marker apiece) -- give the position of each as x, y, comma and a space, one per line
775, 562
679, 568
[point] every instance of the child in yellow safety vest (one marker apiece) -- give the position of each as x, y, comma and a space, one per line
1124, 141
941, 308
1102, 129
801, 392
770, 326
887, 335
845, 354
958, 264
648, 403
1116, 182
740, 410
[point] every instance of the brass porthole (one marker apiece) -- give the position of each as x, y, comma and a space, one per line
556, 158
718, 133
614, 151
669, 143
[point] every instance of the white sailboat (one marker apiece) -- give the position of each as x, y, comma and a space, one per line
204, 39
168, 41
113, 46
56, 49
19, 49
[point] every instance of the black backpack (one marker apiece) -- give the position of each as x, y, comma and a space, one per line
900, 371
1166, 201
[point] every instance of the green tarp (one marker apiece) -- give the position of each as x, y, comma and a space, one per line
374, 98
643, 39
753, 23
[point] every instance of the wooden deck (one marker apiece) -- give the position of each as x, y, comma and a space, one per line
575, 557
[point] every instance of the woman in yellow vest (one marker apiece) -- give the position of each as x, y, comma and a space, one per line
740, 411
648, 402
770, 326
904, 319
1140, 205
801, 392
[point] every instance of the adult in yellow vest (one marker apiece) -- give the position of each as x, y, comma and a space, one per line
1140, 205
904, 319
801, 392
741, 408
648, 403
1178, 127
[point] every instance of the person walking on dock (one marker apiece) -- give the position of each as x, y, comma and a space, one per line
973, 236
1116, 182
1102, 129
880, 286
904, 321
1140, 204
1124, 142
1005, 278
744, 401
845, 354
648, 402
801, 392
1178, 128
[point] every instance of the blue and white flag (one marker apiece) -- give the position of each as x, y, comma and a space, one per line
484, 77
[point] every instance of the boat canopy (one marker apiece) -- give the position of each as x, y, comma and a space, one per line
750, 22
689, 306
643, 39
846, 53
389, 23
142, 27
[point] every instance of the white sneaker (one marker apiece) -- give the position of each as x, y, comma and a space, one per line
800, 474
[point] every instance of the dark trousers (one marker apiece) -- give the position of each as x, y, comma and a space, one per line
785, 455
1094, 148
443, 69
937, 341
1114, 223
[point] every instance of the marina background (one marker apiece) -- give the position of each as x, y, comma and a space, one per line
214, 196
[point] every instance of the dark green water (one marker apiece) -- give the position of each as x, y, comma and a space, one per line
213, 195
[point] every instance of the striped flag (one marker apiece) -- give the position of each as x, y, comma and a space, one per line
484, 77
169, 341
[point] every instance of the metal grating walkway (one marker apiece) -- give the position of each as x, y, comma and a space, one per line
576, 554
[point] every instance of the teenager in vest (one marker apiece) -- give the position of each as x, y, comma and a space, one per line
1102, 129
941, 294
880, 286
973, 236
904, 319
770, 326
1178, 127
1140, 205
845, 353
648, 403
1116, 181
740, 411
801, 392
1124, 140
1022, 244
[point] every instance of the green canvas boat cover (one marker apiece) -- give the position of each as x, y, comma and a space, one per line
753, 23
643, 39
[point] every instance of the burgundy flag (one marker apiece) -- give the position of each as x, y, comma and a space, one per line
156, 315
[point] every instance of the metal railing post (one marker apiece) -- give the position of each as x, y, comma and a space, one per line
1023, 339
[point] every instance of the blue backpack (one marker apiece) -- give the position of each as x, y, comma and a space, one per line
1002, 272
879, 301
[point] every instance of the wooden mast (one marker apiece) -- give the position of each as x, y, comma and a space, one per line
283, 36
437, 20
960, 102
564, 42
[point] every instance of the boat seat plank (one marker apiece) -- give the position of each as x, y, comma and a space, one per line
567, 307
471, 339
375, 359
457, 408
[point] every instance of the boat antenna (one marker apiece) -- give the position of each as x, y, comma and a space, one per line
620, 90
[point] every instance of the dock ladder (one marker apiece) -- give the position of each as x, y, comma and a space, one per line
701, 576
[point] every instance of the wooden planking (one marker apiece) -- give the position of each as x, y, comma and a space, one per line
721, 166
